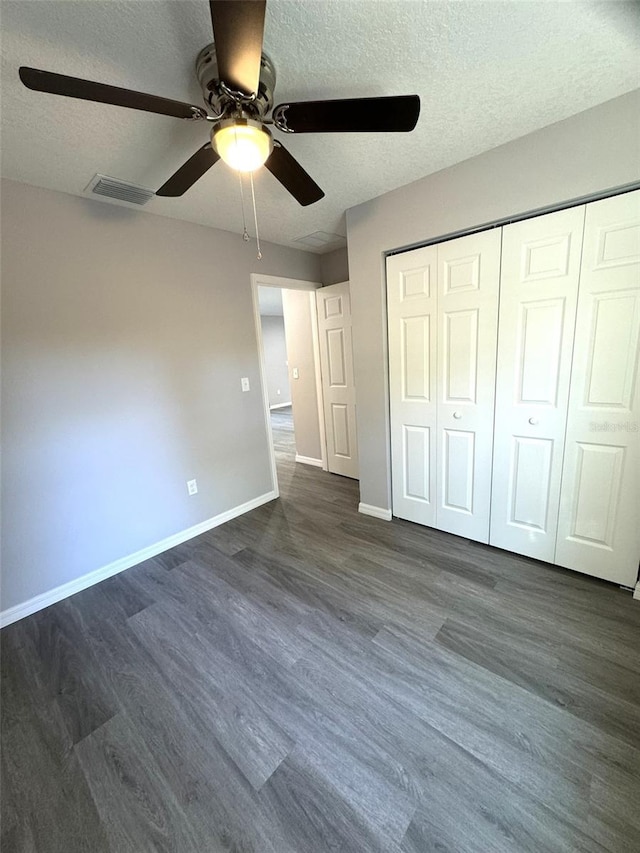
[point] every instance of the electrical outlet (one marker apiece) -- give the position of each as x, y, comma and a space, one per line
192, 487
295, 373
244, 382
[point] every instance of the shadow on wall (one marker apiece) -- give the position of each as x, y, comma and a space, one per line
334, 266
108, 212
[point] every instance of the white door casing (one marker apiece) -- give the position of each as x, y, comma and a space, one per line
540, 271
338, 387
468, 285
599, 521
412, 321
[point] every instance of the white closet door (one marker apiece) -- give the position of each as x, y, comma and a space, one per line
411, 306
538, 296
468, 283
599, 524
338, 387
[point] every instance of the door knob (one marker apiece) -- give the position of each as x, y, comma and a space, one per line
457, 415
533, 421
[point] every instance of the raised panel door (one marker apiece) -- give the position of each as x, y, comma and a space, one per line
599, 527
468, 283
411, 309
540, 271
338, 387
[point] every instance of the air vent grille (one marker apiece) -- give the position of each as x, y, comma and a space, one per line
321, 240
117, 190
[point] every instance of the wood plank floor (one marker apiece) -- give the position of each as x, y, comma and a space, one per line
305, 679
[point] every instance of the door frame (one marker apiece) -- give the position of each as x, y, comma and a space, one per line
259, 280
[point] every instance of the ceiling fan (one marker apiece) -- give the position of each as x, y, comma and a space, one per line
238, 82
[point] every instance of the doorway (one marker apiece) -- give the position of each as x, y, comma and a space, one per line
304, 342
286, 328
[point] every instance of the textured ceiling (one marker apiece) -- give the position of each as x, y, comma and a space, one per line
487, 73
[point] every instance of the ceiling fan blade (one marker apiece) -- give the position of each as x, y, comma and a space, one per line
292, 176
74, 87
396, 113
189, 172
238, 30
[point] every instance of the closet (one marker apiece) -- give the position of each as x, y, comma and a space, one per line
513, 378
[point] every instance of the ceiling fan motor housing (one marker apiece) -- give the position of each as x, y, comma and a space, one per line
220, 100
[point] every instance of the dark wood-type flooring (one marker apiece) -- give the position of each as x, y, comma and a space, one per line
305, 679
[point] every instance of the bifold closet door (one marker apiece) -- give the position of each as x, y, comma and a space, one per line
442, 315
599, 523
540, 271
412, 281
468, 284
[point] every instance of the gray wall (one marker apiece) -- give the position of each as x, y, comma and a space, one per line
298, 329
124, 339
587, 153
334, 266
275, 360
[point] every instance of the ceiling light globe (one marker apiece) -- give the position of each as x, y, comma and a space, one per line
243, 144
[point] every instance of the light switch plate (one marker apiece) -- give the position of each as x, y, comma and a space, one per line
244, 382
295, 373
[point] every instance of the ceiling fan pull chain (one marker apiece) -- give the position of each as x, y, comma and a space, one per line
245, 233
255, 216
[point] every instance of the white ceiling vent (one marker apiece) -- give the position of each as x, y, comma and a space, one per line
321, 241
112, 189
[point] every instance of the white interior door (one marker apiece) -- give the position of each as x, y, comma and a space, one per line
599, 527
338, 387
539, 278
412, 320
468, 285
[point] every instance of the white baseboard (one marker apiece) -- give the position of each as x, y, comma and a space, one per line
309, 460
279, 406
375, 511
45, 599
636, 592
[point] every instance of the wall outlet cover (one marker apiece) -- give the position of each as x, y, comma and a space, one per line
192, 487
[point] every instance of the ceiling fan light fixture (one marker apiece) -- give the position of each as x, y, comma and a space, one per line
243, 144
